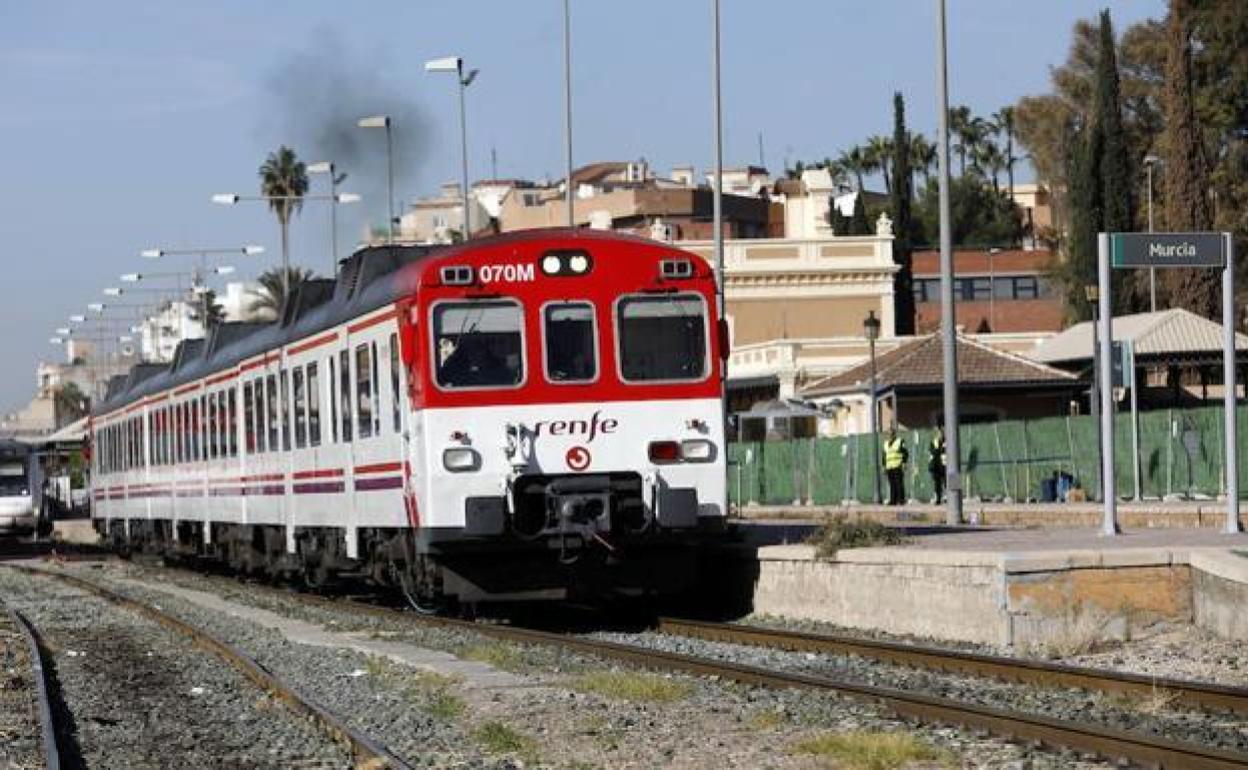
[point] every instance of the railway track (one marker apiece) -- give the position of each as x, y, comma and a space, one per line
1195, 695
1114, 745
27, 723
366, 753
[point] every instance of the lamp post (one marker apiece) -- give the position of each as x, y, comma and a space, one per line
230, 199
335, 179
1149, 162
383, 121
871, 330
1093, 294
455, 65
567, 105
197, 274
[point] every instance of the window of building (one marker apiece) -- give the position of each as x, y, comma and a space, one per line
478, 344
662, 338
570, 342
314, 406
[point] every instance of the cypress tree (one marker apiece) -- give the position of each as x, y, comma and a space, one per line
858, 224
1084, 198
903, 223
1184, 181
1113, 165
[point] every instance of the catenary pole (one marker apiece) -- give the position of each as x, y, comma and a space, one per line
567, 105
717, 194
463, 149
1109, 522
953, 467
1229, 384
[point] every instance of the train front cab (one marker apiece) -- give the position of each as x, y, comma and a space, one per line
19, 490
568, 418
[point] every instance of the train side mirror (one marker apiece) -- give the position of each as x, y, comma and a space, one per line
725, 344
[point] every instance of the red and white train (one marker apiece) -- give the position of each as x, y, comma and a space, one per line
526, 416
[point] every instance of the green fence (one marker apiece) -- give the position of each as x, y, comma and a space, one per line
1181, 453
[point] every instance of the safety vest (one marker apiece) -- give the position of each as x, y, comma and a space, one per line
938, 449
894, 454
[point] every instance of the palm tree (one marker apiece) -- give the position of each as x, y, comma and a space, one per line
988, 157
284, 181
854, 161
1003, 124
275, 288
69, 404
879, 153
922, 155
213, 310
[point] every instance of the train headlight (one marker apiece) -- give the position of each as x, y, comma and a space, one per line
697, 450
461, 459
578, 263
551, 264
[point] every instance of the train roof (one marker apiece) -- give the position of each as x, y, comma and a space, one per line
369, 279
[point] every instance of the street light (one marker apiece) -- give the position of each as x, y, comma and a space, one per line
327, 167
871, 330
383, 121
455, 64
1149, 162
567, 94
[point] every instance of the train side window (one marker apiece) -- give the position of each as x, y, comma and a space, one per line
344, 392
395, 386
262, 425
478, 344
364, 391
287, 411
300, 408
273, 412
333, 400
231, 422
376, 382
570, 341
223, 426
249, 416
210, 426
662, 338
314, 406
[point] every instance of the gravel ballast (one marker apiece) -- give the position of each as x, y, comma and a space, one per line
136, 695
20, 730
558, 716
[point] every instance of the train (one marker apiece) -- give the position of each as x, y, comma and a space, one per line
19, 489
528, 416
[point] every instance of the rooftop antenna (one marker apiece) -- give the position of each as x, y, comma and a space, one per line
762, 160
493, 162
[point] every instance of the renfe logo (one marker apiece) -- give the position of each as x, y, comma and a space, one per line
577, 458
589, 428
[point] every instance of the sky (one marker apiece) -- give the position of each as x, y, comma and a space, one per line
120, 120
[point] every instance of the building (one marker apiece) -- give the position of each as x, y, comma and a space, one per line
995, 291
181, 319
1035, 204
992, 385
1178, 355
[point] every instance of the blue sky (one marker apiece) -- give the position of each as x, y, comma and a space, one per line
119, 120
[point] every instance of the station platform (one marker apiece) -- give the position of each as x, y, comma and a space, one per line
1005, 587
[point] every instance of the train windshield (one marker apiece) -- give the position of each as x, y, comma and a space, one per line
571, 352
662, 338
13, 480
478, 344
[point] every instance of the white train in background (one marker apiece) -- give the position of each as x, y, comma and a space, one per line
529, 416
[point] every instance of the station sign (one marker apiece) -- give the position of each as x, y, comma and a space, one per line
1167, 250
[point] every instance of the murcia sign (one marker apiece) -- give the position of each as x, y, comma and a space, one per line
1167, 250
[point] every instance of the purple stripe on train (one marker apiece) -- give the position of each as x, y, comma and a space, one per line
319, 488
385, 482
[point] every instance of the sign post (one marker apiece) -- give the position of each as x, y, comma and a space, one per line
1109, 494
1153, 250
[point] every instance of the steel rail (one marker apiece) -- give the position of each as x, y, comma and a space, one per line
368, 753
1115, 744
39, 680
1200, 695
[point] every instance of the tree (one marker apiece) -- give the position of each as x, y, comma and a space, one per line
903, 225
206, 302
981, 217
284, 180
990, 160
1079, 268
1117, 187
879, 151
69, 404
275, 287
858, 223
854, 161
1003, 125
922, 157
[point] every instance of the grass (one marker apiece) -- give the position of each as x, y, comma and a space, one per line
634, 686
1082, 631
507, 657
1158, 701
872, 750
839, 532
497, 738
769, 719
431, 689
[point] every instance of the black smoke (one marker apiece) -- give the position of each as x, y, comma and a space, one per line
314, 98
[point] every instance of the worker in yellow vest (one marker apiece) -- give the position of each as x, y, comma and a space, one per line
895, 456
937, 463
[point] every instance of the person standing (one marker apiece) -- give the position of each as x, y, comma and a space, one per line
936, 464
895, 456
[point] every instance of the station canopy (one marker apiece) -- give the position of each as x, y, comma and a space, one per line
1168, 336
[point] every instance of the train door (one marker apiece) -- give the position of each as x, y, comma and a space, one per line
378, 452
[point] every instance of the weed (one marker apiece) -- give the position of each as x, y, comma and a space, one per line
769, 719
1158, 701
839, 532
498, 738
871, 750
1081, 631
507, 657
633, 686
